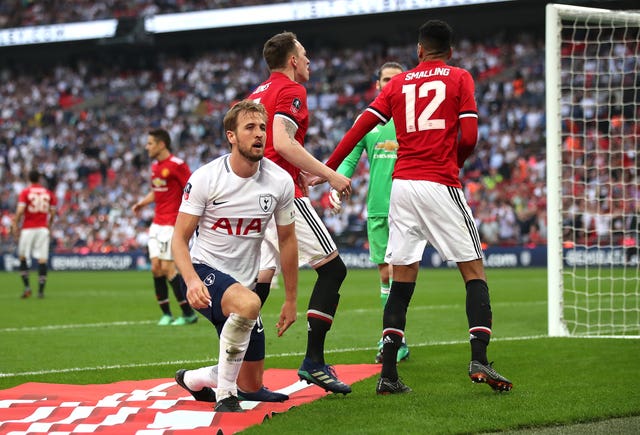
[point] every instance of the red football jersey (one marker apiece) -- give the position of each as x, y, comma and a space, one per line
426, 104
284, 97
38, 202
168, 179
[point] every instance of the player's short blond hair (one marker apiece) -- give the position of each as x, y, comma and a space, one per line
230, 121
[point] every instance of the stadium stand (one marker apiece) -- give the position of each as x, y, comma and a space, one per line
84, 123
87, 134
20, 13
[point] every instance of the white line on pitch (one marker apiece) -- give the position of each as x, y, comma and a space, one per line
150, 322
77, 325
210, 361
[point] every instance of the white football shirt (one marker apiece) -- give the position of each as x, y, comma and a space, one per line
234, 213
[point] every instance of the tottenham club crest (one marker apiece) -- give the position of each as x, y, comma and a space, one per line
209, 280
266, 202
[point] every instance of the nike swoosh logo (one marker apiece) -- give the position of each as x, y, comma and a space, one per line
260, 330
219, 202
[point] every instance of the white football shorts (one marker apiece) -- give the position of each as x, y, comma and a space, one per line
160, 241
424, 211
314, 241
34, 242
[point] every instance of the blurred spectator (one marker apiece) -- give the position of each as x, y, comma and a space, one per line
84, 127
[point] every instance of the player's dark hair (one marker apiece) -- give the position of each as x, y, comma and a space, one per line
436, 37
161, 135
278, 48
34, 176
393, 65
230, 121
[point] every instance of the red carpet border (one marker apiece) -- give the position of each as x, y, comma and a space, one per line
150, 407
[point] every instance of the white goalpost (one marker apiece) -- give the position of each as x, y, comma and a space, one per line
593, 171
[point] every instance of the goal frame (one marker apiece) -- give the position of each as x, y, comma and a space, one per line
554, 14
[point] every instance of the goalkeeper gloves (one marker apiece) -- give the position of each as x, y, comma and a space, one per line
335, 201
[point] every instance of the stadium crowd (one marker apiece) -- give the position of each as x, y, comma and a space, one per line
85, 127
20, 13
601, 141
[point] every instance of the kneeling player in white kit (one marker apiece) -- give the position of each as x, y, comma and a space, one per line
227, 203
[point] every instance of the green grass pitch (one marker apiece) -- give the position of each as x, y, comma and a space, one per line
100, 327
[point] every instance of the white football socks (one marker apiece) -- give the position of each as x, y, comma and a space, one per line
234, 340
197, 379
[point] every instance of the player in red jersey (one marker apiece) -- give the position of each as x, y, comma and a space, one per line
436, 119
37, 205
169, 175
285, 99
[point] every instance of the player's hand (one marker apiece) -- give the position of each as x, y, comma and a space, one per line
342, 184
335, 201
303, 182
288, 316
314, 180
198, 295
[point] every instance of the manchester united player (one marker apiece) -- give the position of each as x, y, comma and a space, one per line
37, 205
169, 175
286, 102
381, 148
436, 119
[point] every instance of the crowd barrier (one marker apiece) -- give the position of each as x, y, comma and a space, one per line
136, 260
494, 257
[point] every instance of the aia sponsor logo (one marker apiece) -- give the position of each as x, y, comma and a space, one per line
238, 226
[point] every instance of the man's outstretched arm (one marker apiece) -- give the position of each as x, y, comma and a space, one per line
362, 126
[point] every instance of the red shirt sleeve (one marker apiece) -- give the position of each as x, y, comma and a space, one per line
292, 103
468, 138
468, 124
362, 126
183, 173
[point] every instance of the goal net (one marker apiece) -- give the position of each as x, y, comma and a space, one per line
593, 171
